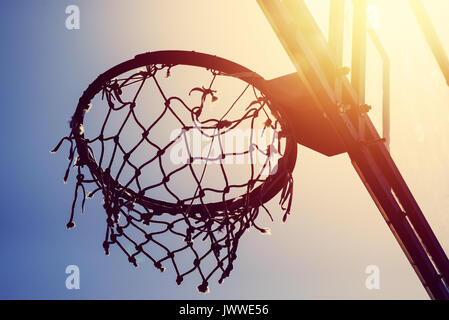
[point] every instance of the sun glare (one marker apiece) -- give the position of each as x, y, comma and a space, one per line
373, 17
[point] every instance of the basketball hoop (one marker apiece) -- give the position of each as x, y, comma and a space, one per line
206, 225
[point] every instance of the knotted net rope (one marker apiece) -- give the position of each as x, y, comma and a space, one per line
198, 229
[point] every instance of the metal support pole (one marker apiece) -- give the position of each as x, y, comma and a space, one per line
309, 50
358, 73
431, 36
336, 33
385, 86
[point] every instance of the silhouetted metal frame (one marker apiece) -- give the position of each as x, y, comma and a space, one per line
336, 34
358, 69
309, 51
385, 86
427, 28
358, 80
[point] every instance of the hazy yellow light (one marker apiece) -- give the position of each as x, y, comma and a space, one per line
373, 17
